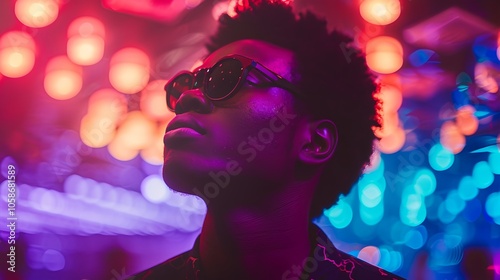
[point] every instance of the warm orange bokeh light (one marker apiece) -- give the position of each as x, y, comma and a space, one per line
483, 77
393, 142
390, 122
384, 54
380, 12
129, 70
36, 13
96, 130
63, 78
16, 62
86, 27
86, 41
466, 121
136, 131
153, 102
17, 54
451, 137
118, 149
85, 50
153, 154
108, 103
391, 97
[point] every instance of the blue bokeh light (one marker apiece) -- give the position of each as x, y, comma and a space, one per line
494, 161
482, 175
453, 203
339, 215
425, 182
440, 158
467, 189
492, 205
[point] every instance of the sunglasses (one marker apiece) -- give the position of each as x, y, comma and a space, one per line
224, 80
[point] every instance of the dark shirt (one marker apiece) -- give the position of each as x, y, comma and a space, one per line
324, 263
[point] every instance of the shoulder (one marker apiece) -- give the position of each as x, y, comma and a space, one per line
355, 268
335, 264
178, 267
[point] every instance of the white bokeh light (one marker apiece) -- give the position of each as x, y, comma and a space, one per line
154, 189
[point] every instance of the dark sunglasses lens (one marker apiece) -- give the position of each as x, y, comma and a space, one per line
176, 87
224, 78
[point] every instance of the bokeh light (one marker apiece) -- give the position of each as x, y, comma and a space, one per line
36, 13
53, 260
391, 97
467, 189
96, 130
339, 215
484, 79
440, 158
444, 215
153, 102
370, 195
86, 41
466, 121
370, 254
17, 54
412, 211
63, 79
129, 70
384, 54
454, 203
107, 108
153, 154
494, 162
416, 237
393, 142
451, 137
371, 215
482, 175
154, 189
380, 12
425, 182
492, 203
85, 50
135, 133
119, 150
108, 103
137, 130
389, 124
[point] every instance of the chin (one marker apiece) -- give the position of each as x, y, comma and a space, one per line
176, 177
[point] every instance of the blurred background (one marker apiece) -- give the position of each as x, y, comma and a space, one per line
83, 115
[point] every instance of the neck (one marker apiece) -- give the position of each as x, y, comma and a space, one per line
260, 242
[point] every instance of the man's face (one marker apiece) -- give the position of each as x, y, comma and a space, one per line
242, 145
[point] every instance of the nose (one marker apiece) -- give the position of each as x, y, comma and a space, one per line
193, 100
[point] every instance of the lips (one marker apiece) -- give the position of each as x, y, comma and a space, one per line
184, 123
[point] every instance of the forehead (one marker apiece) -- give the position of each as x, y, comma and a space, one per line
277, 59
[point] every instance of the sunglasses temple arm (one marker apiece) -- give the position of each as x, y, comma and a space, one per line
276, 79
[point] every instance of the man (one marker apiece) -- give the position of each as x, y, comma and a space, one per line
269, 131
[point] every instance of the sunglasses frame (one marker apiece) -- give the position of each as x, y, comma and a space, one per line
274, 80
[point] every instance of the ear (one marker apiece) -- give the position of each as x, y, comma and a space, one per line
321, 142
